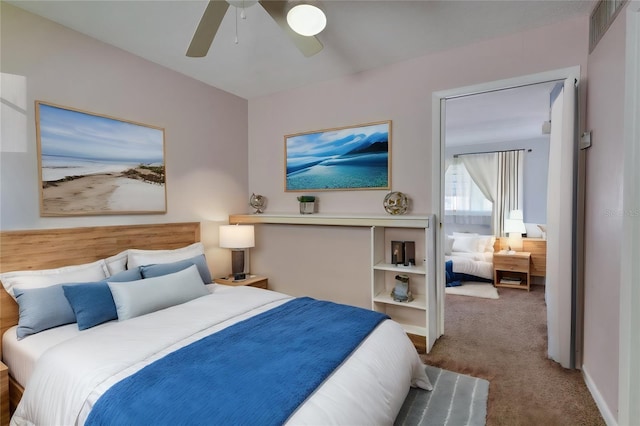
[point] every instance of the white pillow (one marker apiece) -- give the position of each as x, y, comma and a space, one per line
448, 244
485, 243
135, 298
464, 234
148, 257
117, 263
465, 244
87, 272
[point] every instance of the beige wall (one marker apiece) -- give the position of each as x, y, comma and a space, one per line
402, 93
205, 128
603, 211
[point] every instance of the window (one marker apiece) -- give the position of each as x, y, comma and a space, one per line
462, 196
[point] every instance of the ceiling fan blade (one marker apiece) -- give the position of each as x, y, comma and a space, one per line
309, 46
207, 28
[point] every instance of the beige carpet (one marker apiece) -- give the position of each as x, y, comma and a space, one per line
484, 290
505, 342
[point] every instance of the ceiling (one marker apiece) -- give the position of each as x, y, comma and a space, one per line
360, 35
498, 116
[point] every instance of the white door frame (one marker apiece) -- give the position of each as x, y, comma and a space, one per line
437, 122
629, 369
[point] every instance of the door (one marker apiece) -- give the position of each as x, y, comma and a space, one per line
565, 302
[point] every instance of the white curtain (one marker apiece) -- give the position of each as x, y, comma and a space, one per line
483, 169
510, 187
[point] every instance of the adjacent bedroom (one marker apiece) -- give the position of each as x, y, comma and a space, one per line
495, 188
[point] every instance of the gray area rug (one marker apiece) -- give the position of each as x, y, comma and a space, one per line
456, 400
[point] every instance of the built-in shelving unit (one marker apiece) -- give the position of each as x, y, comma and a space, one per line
418, 317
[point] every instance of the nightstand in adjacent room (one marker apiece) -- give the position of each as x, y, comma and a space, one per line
512, 270
4, 395
251, 280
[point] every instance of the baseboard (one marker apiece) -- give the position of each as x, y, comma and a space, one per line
607, 415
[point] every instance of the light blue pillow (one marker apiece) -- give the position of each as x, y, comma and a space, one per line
141, 297
158, 269
92, 303
42, 309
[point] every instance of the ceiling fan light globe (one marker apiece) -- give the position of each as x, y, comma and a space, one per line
306, 19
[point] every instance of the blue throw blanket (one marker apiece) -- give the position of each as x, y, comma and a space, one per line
256, 372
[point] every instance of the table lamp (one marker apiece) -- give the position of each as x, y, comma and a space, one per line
238, 238
514, 227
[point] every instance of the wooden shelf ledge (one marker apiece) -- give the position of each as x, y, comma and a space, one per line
331, 220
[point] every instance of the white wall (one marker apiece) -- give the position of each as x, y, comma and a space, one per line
603, 211
205, 128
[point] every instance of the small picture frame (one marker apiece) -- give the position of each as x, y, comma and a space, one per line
397, 252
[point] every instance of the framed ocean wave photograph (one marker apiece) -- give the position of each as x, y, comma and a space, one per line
343, 158
92, 164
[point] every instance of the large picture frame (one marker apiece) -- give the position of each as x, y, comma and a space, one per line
342, 158
91, 164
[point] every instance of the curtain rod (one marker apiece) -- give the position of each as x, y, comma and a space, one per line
491, 152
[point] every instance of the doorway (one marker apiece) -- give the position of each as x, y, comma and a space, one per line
563, 330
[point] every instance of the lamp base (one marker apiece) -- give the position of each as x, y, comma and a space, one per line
237, 261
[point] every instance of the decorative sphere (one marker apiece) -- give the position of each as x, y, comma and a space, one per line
258, 202
396, 203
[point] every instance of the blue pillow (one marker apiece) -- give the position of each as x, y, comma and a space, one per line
92, 303
158, 269
42, 309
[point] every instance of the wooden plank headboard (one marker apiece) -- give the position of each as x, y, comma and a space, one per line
53, 248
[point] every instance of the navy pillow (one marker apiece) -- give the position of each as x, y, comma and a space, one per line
159, 269
92, 303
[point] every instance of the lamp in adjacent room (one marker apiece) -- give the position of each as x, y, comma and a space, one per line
306, 18
514, 227
238, 238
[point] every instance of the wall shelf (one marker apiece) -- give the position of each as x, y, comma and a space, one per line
401, 269
332, 220
419, 301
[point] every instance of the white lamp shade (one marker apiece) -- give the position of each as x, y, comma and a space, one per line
516, 215
306, 19
515, 223
237, 236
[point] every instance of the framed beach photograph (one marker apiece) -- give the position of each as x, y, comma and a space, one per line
92, 164
343, 158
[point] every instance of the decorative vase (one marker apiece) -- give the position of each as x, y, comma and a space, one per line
307, 204
401, 292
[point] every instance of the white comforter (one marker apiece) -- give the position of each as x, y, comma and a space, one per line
477, 264
369, 387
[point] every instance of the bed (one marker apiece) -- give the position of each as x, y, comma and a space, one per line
468, 258
66, 376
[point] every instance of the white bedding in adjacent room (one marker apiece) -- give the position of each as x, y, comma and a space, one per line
70, 376
476, 264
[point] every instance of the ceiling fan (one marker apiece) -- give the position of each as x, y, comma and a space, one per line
278, 10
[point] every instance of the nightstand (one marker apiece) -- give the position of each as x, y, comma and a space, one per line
252, 281
512, 270
4, 395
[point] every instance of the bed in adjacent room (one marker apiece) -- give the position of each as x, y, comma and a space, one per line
180, 349
468, 258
